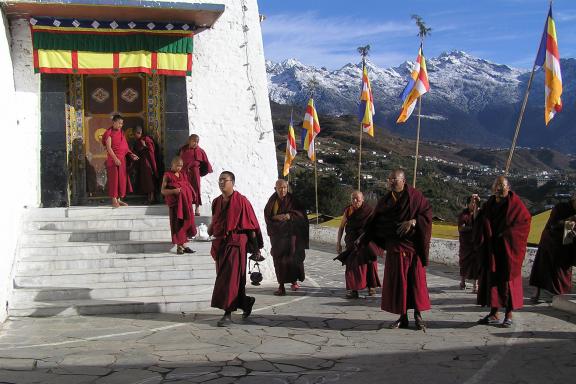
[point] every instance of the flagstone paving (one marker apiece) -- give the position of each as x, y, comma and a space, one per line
310, 336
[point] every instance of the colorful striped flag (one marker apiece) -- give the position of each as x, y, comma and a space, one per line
416, 87
549, 58
310, 129
366, 108
290, 149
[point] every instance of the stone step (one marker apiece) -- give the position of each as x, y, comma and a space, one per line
88, 248
154, 304
105, 291
88, 276
566, 303
152, 210
110, 223
71, 262
94, 235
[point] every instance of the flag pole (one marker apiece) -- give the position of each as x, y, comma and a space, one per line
316, 183
360, 149
519, 122
417, 141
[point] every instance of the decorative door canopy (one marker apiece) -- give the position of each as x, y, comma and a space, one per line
131, 37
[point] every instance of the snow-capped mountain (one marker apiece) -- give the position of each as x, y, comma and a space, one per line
471, 100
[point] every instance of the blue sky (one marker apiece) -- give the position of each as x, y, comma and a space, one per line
326, 33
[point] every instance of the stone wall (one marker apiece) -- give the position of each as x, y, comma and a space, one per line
227, 104
228, 107
441, 251
17, 157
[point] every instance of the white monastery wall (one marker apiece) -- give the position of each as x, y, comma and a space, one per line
20, 154
228, 107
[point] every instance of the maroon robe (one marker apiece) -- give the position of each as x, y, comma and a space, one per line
196, 165
289, 239
467, 256
117, 176
182, 224
501, 235
552, 268
147, 169
233, 226
361, 262
404, 286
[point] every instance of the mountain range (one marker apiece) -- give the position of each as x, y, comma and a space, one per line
472, 101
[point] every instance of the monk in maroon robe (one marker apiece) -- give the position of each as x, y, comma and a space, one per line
361, 262
117, 148
179, 197
402, 225
147, 169
288, 228
467, 255
196, 165
236, 231
502, 231
552, 268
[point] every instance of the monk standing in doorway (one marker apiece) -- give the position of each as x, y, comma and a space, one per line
196, 165
147, 169
118, 150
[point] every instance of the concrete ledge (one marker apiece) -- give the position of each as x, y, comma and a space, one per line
441, 251
565, 303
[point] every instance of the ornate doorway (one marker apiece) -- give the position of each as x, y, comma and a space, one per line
93, 100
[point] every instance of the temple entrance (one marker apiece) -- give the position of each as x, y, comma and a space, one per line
93, 100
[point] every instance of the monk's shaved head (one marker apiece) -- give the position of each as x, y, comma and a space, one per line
397, 180
357, 198
281, 183
501, 187
281, 188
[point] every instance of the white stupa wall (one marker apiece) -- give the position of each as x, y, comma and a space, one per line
227, 104
228, 107
19, 157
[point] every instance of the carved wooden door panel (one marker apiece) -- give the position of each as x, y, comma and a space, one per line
105, 96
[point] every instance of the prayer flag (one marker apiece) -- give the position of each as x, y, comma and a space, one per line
290, 149
366, 108
417, 86
310, 129
549, 58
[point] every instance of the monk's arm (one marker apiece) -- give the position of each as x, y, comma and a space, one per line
165, 191
341, 232
111, 152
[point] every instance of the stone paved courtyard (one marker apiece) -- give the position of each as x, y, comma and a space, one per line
312, 336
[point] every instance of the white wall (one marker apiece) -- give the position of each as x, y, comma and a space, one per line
19, 156
224, 98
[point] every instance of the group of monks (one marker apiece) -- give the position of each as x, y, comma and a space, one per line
493, 237
493, 240
144, 154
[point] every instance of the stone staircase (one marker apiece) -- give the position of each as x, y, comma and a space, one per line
99, 260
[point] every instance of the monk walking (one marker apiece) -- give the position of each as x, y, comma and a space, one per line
361, 262
117, 149
552, 268
402, 225
147, 169
467, 256
236, 231
501, 238
288, 228
179, 197
196, 165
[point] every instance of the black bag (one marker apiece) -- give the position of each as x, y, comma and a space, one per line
255, 276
